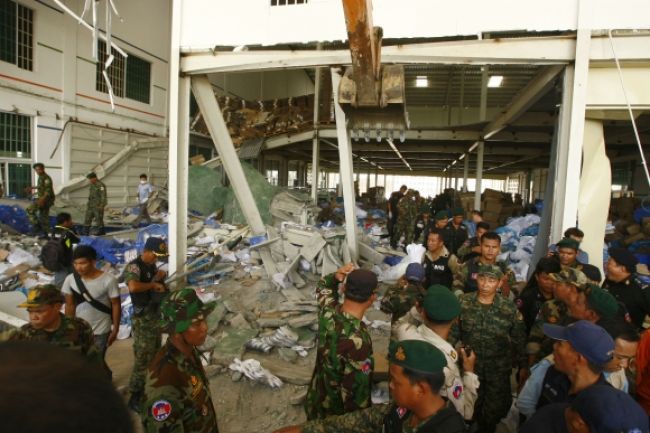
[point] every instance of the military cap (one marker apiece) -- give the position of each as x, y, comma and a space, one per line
45, 294
569, 243
606, 409
158, 246
179, 308
440, 303
91, 175
38, 164
601, 301
418, 356
491, 271
441, 215
570, 276
591, 272
624, 257
586, 338
360, 285
459, 211
414, 272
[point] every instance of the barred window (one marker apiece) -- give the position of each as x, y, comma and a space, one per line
287, 2
16, 34
130, 76
15, 135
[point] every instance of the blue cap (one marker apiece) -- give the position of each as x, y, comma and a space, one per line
589, 340
415, 272
606, 409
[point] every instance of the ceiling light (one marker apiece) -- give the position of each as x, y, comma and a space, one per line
421, 81
495, 81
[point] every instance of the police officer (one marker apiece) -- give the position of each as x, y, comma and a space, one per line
39, 211
398, 300
439, 309
96, 203
177, 392
416, 377
439, 264
620, 281
47, 323
144, 281
344, 360
456, 231
493, 327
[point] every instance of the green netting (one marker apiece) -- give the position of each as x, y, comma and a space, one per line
202, 183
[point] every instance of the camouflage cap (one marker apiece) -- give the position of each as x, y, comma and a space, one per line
416, 355
46, 294
179, 308
570, 276
490, 271
441, 215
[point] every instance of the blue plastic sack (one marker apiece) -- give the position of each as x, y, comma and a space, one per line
153, 230
531, 231
107, 249
15, 217
254, 240
392, 260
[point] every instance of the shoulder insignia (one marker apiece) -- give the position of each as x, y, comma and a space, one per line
161, 410
453, 355
366, 368
457, 392
401, 412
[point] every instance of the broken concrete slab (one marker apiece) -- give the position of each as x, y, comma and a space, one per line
313, 246
231, 345
290, 373
264, 243
239, 322
271, 322
370, 254
299, 397
287, 354
290, 250
303, 320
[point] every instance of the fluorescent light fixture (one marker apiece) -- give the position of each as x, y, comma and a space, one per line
461, 157
421, 81
495, 81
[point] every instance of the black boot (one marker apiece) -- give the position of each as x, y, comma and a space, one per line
135, 401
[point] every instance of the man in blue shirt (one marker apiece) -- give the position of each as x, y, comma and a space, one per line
145, 190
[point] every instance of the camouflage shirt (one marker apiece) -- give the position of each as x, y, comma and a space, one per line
407, 209
397, 300
97, 195
73, 333
383, 418
496, 332
554, 312
344, 361
465, 277
44, 188
177, 394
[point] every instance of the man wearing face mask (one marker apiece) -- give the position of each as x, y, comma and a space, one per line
146, 287
145, 189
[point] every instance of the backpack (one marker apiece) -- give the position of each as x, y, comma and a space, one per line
52, 255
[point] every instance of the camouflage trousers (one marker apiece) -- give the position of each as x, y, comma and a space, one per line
39, 216
405, 228
146, 343
93, 213
494, 400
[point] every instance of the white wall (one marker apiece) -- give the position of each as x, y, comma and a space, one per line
322, 20
62, 83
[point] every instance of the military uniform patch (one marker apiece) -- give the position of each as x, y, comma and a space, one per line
401, 412
366, 368
161, 410
458, 390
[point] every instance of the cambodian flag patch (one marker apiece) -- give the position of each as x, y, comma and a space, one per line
401, 412
366, 368
458, 390
161, 410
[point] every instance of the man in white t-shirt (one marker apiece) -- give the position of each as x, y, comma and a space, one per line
145, 189
99, 303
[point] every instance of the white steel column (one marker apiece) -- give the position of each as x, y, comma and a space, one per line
179, 144
346, 173
465, 171
479, 175
219, 132
315, 150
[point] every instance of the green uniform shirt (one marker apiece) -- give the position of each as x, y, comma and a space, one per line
73, 333
44, 188
462, 276
177, 394
97, 195
397, 301
344, 361
554, 312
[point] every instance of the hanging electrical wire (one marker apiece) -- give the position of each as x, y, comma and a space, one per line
629, 107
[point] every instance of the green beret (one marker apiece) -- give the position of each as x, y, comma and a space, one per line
418, 356
441, 215
440, 303
570, 276
601, 301
459, 211
91, 175
569, 243
490, 271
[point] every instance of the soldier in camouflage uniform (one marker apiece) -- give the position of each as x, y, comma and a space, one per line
39, 211
48, 324
493, 327
146, 289
568, 283
177, 392
416, 377
96, 203
398, 300
344, 361
406, 216
465, 280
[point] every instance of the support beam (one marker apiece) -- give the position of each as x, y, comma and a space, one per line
465, 171
479, 176
346, 172
315, 142
218, 130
